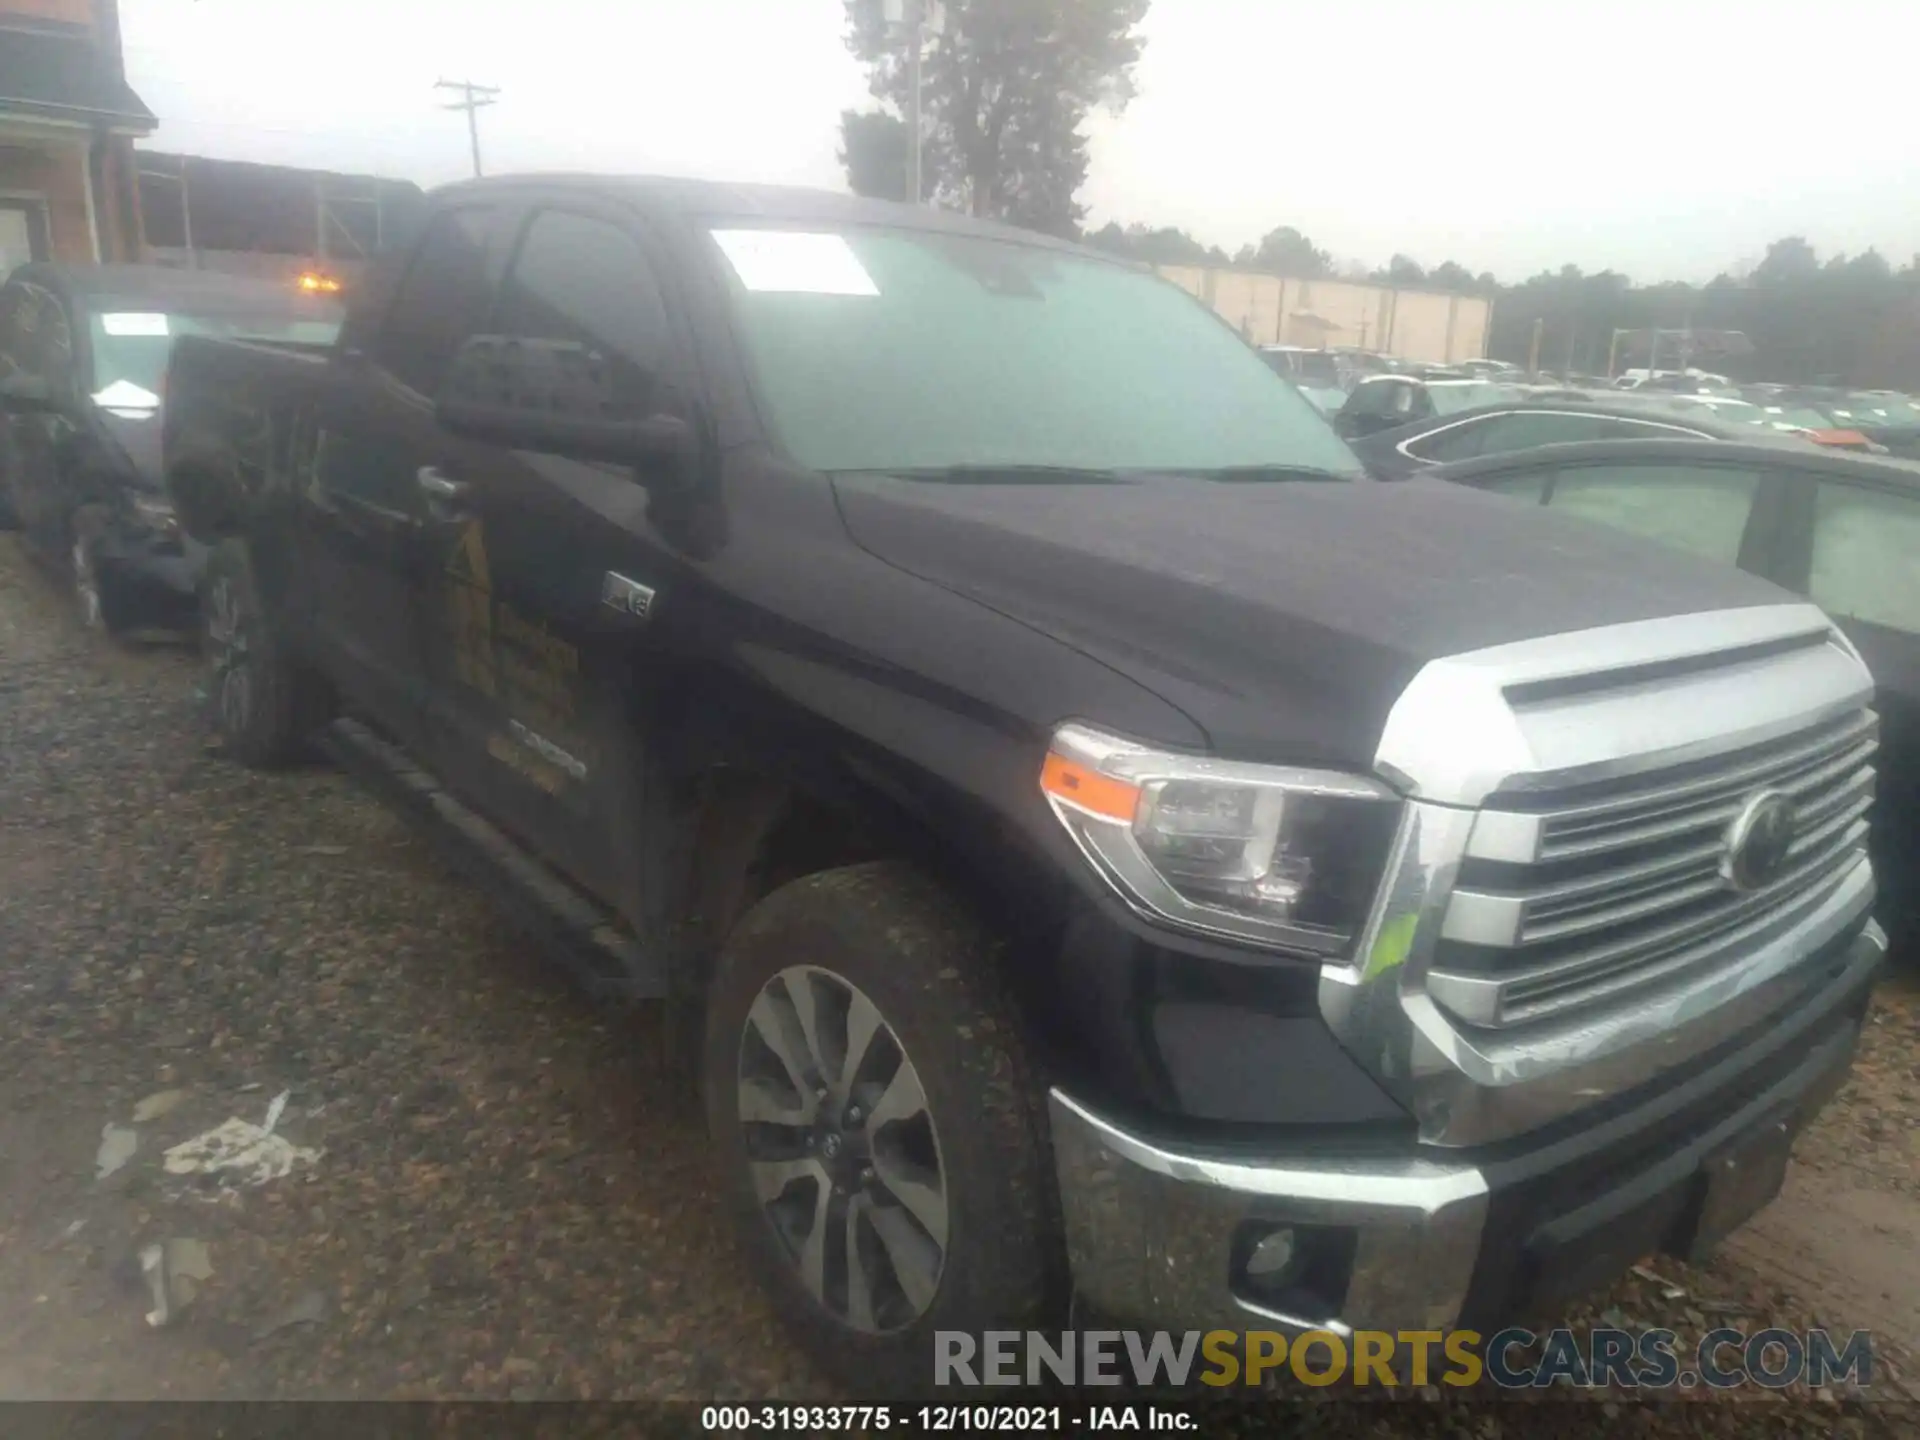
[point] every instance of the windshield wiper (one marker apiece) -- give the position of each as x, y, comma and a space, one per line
977, 474
1269, 474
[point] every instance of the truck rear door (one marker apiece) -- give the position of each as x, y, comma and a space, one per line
369, 527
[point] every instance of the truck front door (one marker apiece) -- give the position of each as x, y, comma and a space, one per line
531, 671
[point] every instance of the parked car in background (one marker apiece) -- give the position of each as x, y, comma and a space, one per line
1842, 530
1884, 419
1387, 402
1689, 382
1303, 365
1102, 846
83, 361
1769, 416
1523, 423
1315, 373
1489, 369
1356, 363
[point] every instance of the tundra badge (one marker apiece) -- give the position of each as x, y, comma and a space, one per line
629, 597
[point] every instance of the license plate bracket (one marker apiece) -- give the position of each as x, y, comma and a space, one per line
1738, 1181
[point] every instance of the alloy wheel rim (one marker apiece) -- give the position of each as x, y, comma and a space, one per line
842, 1149
228, 650
86, 587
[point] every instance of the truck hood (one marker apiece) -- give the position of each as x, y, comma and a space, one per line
1284, 618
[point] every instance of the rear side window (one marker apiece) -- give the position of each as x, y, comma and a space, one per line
1866, 556
36, 337
1455, 442
586, 282
1523, 430
1702, 509
445, 295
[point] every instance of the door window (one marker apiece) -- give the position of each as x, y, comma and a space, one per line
1701, 509
445, 295
36, 338
1866, 556
585, 282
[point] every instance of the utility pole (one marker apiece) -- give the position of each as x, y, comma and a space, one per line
915, 19
472, 97
916, 41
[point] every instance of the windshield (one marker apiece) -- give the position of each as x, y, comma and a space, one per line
1451, 398
884, 349
131, 344
1797, 417
1877, 410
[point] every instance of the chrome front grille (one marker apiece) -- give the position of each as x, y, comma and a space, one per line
1569, 897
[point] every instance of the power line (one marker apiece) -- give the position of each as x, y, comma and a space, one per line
472, 98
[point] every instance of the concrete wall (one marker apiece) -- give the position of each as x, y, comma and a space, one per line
1270, 310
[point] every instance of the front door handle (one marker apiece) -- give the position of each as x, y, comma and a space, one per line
440, 487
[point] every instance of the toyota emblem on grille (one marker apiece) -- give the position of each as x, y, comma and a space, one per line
1760, 841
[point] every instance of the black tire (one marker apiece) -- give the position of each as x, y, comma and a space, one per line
928, 968
265, 703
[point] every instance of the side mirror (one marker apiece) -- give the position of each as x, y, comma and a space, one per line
28, 395
555, 397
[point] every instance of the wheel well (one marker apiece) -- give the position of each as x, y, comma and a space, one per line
756, 835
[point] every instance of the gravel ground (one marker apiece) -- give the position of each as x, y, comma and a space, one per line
509, 1198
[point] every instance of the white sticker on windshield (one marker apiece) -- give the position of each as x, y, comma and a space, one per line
125, 395
795, 262
131, 322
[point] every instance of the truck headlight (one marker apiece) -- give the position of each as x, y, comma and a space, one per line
1283, 858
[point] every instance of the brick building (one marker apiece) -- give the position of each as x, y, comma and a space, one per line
68, 189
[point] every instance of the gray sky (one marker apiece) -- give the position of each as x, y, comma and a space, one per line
1349, 121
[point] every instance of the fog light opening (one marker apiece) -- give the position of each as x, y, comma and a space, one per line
1272, 1257
1295, 1270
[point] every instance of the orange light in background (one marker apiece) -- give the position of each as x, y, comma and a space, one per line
314, 283
1087, 789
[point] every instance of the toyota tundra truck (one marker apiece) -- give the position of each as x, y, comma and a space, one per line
1108, 850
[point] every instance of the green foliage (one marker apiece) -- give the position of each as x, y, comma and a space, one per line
1005, 87
1285, 251
1165, 246
873, 147
1850, 321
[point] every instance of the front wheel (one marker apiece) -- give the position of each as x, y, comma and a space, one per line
265, 702
876, 1124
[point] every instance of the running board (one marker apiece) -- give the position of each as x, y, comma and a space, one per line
575, 930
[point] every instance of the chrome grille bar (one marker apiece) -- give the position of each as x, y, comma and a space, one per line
1626, 887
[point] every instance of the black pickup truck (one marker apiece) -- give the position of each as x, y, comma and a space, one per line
1111, 849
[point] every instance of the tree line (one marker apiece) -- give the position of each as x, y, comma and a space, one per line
1006, 86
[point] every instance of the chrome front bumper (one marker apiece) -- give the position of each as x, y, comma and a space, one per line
1152, 1230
